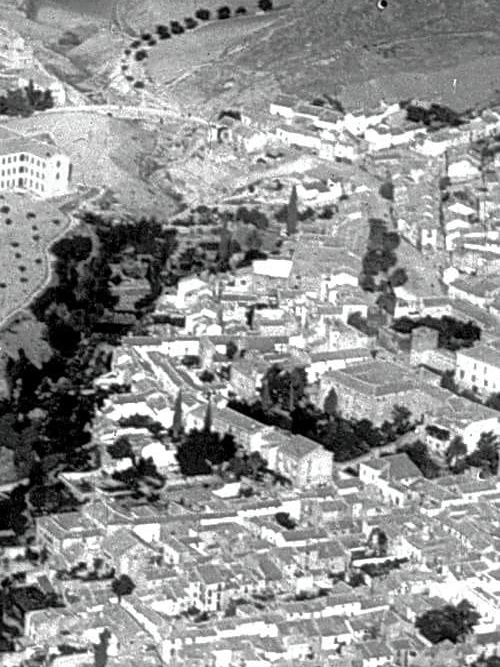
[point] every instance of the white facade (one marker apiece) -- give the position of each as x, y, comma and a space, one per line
32, 165
478, 367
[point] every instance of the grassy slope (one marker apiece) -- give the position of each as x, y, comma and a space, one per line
350, 48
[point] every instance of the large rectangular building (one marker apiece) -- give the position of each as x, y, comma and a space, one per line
33, 164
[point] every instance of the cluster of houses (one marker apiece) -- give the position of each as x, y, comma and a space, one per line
217, 576
249, 573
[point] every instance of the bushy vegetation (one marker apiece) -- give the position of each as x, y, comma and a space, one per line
380, 257
283, 402
453, 334
451, 622
25, 101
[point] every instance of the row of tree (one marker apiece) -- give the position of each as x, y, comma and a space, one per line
378, 272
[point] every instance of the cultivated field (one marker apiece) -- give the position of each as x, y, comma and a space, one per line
28, 228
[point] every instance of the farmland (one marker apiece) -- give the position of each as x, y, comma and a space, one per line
28, 228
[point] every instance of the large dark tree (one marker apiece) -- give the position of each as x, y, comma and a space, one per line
123, 585
451, 622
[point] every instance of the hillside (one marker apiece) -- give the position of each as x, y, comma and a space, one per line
351, 49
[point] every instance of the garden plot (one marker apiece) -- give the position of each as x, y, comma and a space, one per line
28, 227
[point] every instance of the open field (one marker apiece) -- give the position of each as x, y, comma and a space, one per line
172, 57
28, 227
105, 152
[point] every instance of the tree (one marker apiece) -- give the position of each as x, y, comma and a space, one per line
398, 277
200, 450
418, 452
207, 423
202, 14
123, 585
284, 519
101, 649
493, 401
231, 350
223, 12
177, 425
387, 190
485, 455
265, 396
265, 5
224, 252
401, 419
331, 403
450, 622
292, 213
378, 540
121, 448
456, 451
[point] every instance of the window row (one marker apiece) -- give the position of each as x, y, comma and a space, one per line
9, 159
22, 183
24, 170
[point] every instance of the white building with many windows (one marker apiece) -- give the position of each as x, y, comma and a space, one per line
478, 367
33, 164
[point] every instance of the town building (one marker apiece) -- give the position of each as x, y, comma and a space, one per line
33, 164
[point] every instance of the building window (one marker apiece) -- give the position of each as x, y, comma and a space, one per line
486, 383
57, 176
58, 164
21, 157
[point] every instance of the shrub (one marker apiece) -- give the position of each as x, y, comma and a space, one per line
240, 11
146, 36
36, 237
202, 14
38, 260
15, 244
141, 54
135, 44
152, 42
56, 221
265, 5
161, 28
190, 23
30, 214
223, 13
18, 255
4, 209
129, 77
139, 84
22, 268
8, 221
165, 35
176, 28
127, 52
